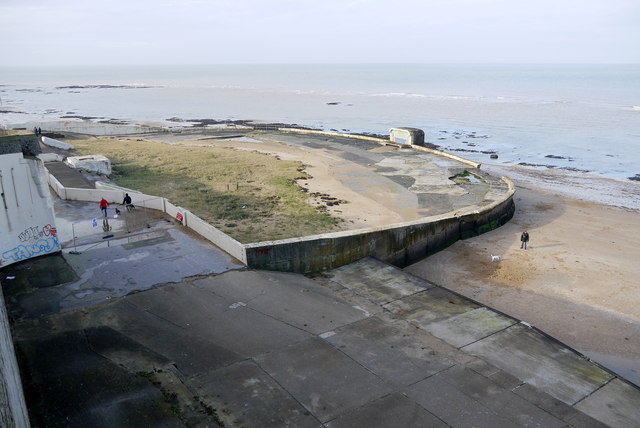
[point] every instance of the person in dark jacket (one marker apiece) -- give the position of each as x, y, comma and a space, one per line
524, 238
127, 202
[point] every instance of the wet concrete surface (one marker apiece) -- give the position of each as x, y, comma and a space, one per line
95, 269
356, 346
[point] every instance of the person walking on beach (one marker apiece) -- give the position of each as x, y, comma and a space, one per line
103, 206
524, 238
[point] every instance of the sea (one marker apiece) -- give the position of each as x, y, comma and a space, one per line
584, 119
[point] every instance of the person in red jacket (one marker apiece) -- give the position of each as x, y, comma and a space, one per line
103, 206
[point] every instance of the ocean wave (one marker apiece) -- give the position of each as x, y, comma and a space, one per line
399, 94
132, 86
636, 108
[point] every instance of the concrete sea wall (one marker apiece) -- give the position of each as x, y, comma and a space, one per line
400, 244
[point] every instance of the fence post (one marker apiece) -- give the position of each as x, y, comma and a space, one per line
73, 232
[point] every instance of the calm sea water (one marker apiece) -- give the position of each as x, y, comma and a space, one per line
577, 117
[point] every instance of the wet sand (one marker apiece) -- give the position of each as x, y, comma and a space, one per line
579, 278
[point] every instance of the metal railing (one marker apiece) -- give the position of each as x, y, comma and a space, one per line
121, 221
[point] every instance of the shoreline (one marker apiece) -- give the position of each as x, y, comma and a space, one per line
104, 125
581, 186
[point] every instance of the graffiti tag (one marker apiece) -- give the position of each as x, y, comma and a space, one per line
37, 232
41, 246
261, 251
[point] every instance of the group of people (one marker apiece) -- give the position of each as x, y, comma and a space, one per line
37, 131
104, 204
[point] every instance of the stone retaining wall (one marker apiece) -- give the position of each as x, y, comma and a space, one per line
400, 244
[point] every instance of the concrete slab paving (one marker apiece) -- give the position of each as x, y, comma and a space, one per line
394, 410
432, 305
82, 388
233, 326
399, 357
190, 352
469, 327
380, 282
541, 362
322, 378
453, 406
293, 299
616, 402
557, 408
498, 398
233, 390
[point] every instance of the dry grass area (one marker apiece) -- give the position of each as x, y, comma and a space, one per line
251, 196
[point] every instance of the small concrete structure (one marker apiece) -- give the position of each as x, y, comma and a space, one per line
408, 136
51, 142
93, 163
50, 157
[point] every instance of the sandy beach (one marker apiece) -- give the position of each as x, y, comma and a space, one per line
578, 279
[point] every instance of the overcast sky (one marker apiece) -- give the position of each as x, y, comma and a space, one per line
88, 32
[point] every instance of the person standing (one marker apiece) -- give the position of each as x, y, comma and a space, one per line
524, 238
103, 206
127, 202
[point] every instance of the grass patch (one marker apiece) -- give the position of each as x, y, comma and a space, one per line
250, 196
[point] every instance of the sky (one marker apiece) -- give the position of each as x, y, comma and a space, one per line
155, 32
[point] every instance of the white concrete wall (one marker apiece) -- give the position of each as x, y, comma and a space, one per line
190, 220
13, 410
56, 143
27, 221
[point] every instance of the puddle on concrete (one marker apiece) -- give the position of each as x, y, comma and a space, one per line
40, 272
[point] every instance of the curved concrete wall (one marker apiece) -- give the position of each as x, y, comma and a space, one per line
400, 244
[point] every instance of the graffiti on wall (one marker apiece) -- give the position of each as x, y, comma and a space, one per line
35, 241
37, 232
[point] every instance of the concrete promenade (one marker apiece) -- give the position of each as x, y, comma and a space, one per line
163, 329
